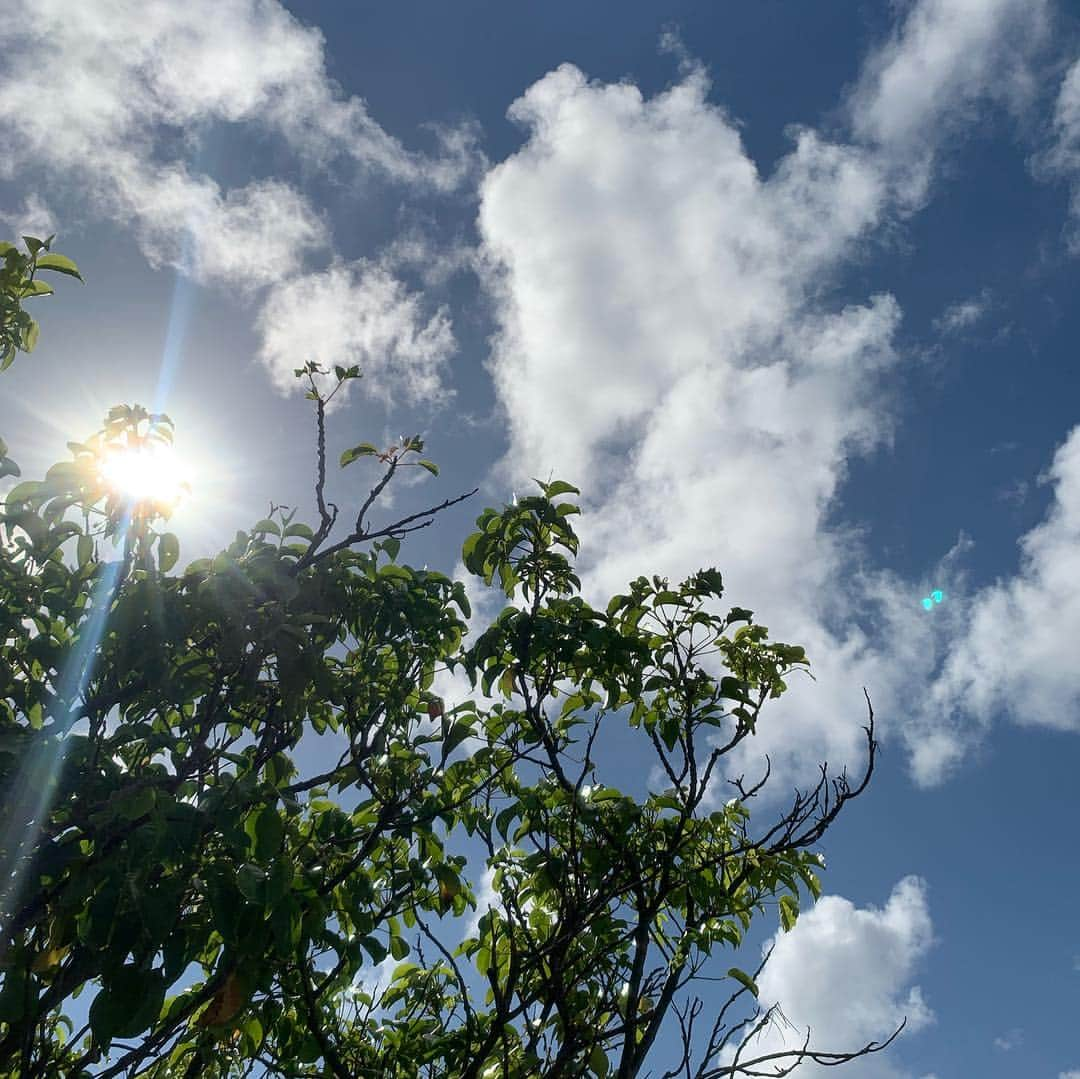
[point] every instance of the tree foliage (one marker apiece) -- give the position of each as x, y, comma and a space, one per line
19, 282
223, 911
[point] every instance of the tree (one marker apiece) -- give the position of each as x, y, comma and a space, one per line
161, 850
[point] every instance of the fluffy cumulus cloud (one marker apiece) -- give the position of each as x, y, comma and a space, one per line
666, 343
639, 244
1018, 651
365, 316
846, 972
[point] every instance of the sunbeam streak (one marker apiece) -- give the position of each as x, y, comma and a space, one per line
30, 799
145, 474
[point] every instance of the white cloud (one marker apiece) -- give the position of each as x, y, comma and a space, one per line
963, 314
33, 218
639, 243
487, 899
846, 972
116, 102
249, 237
664, 343
134, 72
1010, 1040
1063, 158
357, 314
375, 980
1017, 653
1071, 1074
944, 60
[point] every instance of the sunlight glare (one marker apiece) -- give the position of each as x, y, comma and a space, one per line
146, 471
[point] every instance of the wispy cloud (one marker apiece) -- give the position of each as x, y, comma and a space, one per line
1062, 158
944, 63
1007, 1042
962, 315
32, 218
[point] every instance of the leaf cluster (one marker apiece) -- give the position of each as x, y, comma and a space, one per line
19, 282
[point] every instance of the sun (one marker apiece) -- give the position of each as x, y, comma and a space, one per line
145, 471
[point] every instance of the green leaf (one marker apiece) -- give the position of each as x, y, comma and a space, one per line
558, 487
431, 466
269, 832
84, 550
789, 912
399, 947
30, 336
168, 551
13, 995
375, 948
743, 979
266, 525
59, 264
137, 803
364, 449
129, 1002
455, 736
598, 1061
301, 530
249, 879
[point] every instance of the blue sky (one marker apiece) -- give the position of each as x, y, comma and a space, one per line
787, 289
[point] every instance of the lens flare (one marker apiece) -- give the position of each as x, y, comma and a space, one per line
935, 597
145, 472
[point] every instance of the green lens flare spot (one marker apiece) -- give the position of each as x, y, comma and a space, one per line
937, 595
927, 602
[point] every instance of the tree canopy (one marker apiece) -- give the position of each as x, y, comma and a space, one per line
229, 913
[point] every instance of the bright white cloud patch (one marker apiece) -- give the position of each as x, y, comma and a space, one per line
357, 314
1018, 652
846, 973
118, 102
664, 343
639, 244
940, 66
248, 237
144, 75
